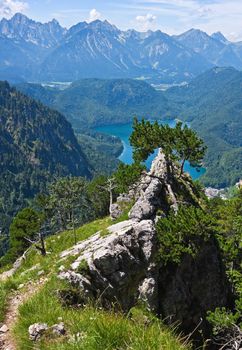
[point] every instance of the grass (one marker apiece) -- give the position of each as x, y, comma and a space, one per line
58, 243
90, 328
49, 264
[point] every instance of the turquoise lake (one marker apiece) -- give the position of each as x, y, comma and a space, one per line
124, 131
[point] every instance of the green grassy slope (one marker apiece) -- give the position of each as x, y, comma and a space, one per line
89, 328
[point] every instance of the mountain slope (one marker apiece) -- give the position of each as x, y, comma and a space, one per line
24, 45
92, 50
36, 144
20, 27
101, 50
92, 102
212, 48
212, 103
123, 268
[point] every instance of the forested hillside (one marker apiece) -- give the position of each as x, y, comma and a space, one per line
212, 103
36, 145
92, 102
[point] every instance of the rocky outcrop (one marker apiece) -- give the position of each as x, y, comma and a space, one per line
188, 290
116, 263
122, 266
37, 330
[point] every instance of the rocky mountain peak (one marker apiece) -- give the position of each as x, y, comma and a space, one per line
103, 25
20, 27
220, 37
19, 18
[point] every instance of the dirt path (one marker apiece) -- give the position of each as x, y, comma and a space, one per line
6, 339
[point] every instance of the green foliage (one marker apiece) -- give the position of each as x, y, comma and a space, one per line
211, 103
101, 151
147, 137
99, 198
221, 319
68, 197
36, 144
229, 235
188, 146
83, 267
127, 175
229, 216
25, 225
92, 102
50, 263
89, 328
181, 233
180, 143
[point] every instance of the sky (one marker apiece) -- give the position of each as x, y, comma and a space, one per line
170, 16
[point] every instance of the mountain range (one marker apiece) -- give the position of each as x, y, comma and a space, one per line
32, 51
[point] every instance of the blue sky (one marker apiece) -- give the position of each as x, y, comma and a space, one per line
171, 16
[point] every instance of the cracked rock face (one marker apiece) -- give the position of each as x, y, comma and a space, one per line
116, 263
153, 191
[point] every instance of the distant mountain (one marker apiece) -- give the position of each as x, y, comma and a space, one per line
24, 45
45, 52
36, 144
100, 50
94, 50
33, 51
220, 37
20, 27
213, 48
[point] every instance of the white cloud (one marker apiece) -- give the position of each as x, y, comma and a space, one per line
94, 15
208, 15
146, 21
9, 7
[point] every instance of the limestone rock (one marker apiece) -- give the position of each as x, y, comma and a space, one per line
115, 211
117, 263
188, 290
36, 330
148, 292
153, 191
4, 329
58, 329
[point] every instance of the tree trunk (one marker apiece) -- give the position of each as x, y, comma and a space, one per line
41, 248
73, 227
182, 166
111, 200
